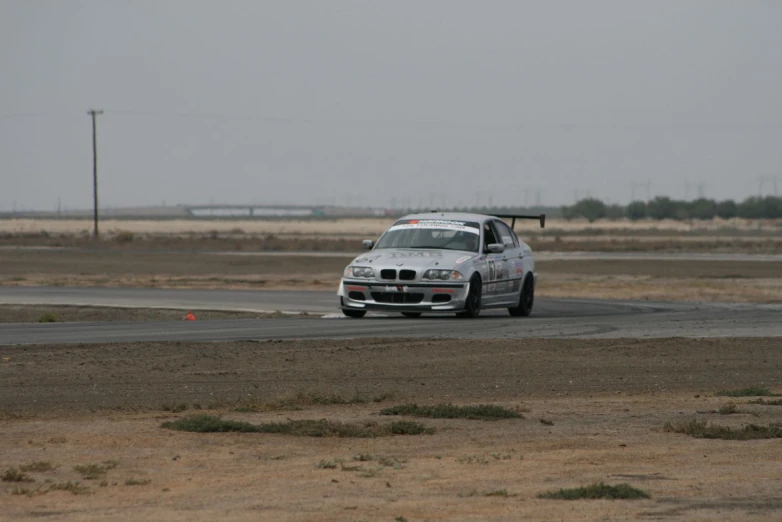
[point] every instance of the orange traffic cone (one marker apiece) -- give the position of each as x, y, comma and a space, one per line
190, 317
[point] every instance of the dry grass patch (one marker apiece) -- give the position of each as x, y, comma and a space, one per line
74, 488
37, 467
450, 411
703, 430
175, 408
489, 493
728, 409
307, 428
137, 482
752, 391
484, 458
303, 399
597, 491
48, 317
764, 402
15, 475
95, 471
209, 424
379, 464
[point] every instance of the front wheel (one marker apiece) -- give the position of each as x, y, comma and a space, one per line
526, 299
472, 305
355, 314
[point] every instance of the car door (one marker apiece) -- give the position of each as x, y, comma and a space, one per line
507, 265
492, 289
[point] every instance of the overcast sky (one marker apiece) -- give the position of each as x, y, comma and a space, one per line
374, 103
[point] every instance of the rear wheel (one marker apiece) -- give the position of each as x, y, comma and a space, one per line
412, 315
355, 314
526, 299
472, 305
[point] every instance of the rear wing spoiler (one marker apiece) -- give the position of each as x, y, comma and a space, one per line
514, 217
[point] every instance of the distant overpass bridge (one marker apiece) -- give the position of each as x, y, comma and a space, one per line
250, 211
253, 210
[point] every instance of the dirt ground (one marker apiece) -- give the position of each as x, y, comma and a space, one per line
668, 280
69, 314
593, 411
345, 235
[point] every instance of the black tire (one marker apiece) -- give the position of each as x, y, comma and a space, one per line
355, 314
526, 299
472, 308
412, 315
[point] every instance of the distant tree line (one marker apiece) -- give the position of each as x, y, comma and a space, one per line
661, 207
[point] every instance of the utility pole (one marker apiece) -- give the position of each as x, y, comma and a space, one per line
93, 113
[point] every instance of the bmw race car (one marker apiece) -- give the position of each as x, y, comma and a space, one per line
442, 262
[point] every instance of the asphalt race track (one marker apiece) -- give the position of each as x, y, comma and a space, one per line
552, 318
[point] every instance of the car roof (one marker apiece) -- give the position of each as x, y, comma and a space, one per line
456, 216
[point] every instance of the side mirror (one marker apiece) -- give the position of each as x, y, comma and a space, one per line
496, 248
368, 244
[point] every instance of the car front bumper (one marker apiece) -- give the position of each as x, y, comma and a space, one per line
413, 297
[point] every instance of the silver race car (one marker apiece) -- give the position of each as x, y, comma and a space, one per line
442, 263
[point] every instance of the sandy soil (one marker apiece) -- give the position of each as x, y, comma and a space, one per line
593, 411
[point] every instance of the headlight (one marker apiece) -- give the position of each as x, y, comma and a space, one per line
442, 275
359, 271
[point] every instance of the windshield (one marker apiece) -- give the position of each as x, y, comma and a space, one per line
432, 233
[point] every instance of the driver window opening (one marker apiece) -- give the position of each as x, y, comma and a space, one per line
488, 236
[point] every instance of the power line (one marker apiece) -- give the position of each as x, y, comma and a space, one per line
10, 116
506, 125
511, 126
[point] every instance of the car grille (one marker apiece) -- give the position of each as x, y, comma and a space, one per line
397, 297
404, 275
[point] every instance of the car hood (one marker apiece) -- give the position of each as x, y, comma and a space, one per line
414, 258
